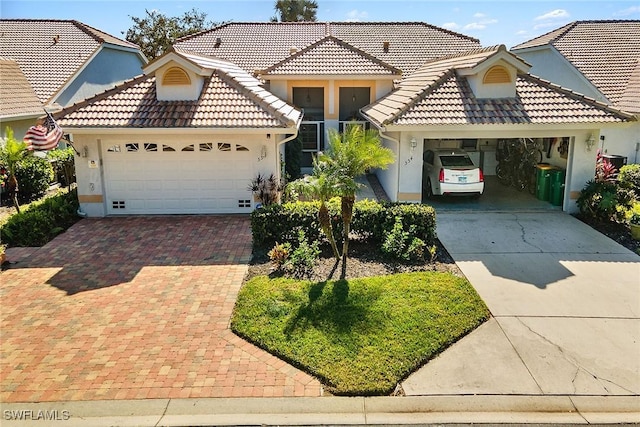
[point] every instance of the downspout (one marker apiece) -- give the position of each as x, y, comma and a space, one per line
389, 138
284, 141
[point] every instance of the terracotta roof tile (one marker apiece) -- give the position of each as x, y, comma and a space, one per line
630, 99
437, 95
331, 56
50, 52
17, 97
257, 46
605, 52
226, 101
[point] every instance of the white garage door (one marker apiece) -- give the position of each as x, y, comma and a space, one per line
156, 178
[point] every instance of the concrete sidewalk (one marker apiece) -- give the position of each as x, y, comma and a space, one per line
566, 307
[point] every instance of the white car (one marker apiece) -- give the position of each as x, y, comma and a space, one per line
450, 172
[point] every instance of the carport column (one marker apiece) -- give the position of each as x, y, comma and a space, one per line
410, 168
89, 176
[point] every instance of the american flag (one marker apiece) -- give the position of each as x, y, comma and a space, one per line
45, 136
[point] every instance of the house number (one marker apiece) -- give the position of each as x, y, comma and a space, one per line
409, 160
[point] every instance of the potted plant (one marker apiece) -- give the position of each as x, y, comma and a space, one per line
634, 220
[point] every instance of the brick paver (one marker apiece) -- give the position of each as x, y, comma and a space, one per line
135, 308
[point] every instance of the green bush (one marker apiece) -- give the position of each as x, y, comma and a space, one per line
63, 165
629, 177
372, 221
301, 261
42, 221
403, 244
604, 201
34, 174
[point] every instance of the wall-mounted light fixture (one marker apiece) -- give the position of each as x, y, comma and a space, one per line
590, 141
263, 151
414, 143
268, 136
85, 151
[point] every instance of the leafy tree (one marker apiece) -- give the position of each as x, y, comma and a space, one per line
12, 152
155, 32
350, 155
295, 11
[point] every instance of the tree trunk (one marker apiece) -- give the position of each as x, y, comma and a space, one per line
12, 190
325, 223
346, 206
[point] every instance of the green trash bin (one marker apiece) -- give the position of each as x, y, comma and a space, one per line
557, 187
543, 181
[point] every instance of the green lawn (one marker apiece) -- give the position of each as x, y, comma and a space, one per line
361, 336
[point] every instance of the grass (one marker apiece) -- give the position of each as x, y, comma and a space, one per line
361, 336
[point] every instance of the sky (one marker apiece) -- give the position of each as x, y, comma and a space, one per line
492, 22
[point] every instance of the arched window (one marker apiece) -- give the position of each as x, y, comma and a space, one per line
497, 74
176, 76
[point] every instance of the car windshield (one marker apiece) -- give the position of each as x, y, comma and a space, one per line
455, 160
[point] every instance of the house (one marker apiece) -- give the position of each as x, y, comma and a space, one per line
50, 64
190, 133
600, 59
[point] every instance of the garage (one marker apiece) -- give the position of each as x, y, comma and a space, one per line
171, 178
519, 173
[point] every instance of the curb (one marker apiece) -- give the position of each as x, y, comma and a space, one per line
328, 410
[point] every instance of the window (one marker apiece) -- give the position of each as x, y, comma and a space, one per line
150, 146
118, 204
113, 149
453, 161
189, 148
241, 148
224, 146
176, 76
244, 203
132, 146
497, 74
206, 146
167, 148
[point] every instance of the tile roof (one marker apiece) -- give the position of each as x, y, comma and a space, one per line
17, 95
257, 46
438, 95
605, 52
331, 56
230, 98
50, 52
630, 99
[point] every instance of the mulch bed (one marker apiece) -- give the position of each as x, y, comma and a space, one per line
615, 231
364, 260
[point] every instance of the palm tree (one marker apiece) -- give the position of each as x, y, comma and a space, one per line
350, 155
321, 186
295, 11
12, 152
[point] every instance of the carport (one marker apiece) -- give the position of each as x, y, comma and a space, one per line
474, 102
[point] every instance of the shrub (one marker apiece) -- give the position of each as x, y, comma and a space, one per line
63, 165
403, 244
303, 258
629, 177
42, 221
34, 174
266, 190
372, 221
279, 254
604, 201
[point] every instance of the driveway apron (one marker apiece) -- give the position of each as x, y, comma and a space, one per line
565, 302
135, 308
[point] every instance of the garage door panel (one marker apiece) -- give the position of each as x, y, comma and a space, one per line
177, 182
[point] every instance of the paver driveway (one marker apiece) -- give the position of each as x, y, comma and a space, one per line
134, 308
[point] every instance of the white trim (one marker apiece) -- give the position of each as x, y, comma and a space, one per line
178, 131
315, 77
169, 57
19, 116
126, 49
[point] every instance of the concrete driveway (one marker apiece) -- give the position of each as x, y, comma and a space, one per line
134, 308
566, 309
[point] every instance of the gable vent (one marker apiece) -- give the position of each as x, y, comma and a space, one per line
497, 74
176, 76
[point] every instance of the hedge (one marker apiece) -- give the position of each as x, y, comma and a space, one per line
372, 221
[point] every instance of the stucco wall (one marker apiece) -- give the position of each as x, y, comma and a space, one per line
389, 177
107, 69
19, 127
624, 141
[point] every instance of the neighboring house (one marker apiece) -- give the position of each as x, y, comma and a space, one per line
63, 61
210, 114
600, 59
